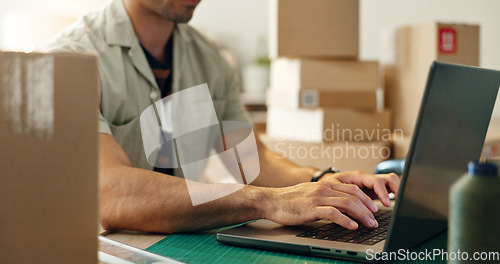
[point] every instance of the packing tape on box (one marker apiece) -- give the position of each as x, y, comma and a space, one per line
31, 96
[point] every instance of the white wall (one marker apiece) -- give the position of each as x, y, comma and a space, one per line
238, 24
61, 12
377, 15
380, 14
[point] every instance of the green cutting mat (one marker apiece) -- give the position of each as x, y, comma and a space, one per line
204, 248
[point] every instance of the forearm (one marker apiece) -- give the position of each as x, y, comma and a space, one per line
277, 171
137, 199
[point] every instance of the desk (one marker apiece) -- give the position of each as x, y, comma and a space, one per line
135, 239
145, 240
203, 248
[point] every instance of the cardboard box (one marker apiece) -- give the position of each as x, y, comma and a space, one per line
328, 124
258, 119
346, 156
48, 134
400, 145
314, 28
314, 98
416, 48
324, 75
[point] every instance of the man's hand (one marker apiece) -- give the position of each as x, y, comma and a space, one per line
376, 186
308, 202
333, 198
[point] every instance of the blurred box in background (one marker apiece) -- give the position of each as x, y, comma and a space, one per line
258, 119
416, 47
400, 145
48, 162
346, 156
328, 124
324, 75
314, 98
299, 83
314, 28
321, 98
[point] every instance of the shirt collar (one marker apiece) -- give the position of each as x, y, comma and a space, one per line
181, 30
119, 29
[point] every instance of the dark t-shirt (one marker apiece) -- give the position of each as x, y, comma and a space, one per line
163, 75
162, 70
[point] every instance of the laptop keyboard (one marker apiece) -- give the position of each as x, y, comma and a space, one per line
362, 235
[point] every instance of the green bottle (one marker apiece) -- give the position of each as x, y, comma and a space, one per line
474, 216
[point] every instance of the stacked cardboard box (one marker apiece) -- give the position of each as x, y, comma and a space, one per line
400, 145
319, 90
308, 83
315, 28
258, 118
48, 162
415, 48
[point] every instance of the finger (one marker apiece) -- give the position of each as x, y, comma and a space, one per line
380, 189
350, 188
364, 179
377, 184
393, 182
355, 190
332, 214
353, 206
327, 191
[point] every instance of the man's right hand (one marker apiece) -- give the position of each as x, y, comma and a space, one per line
311, 201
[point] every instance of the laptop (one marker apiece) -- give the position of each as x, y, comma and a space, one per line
454, 116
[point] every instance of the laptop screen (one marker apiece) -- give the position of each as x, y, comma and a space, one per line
453, 119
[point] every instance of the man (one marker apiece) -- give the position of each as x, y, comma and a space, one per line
146, 51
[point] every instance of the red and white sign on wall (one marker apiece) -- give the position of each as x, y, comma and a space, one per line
447, 40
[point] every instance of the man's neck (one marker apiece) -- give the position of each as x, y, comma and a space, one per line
152, 30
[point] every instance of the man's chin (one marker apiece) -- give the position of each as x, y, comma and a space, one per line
181, 19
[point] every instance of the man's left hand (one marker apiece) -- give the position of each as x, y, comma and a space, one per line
378, 185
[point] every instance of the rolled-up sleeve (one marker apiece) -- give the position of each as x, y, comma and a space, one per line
69, 46
103, 125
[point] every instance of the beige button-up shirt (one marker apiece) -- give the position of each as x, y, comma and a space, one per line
128, 85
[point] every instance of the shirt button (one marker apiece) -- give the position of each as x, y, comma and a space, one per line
153, 95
